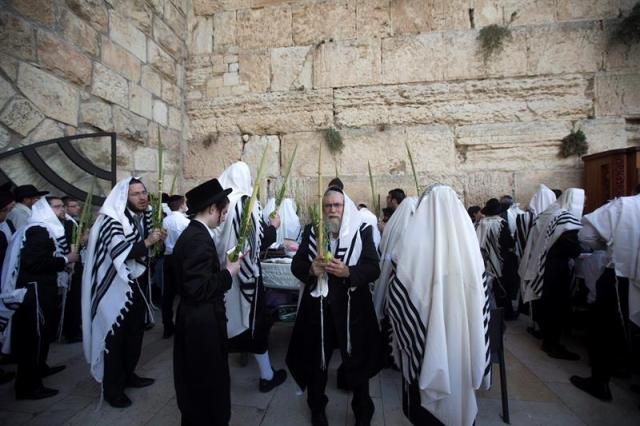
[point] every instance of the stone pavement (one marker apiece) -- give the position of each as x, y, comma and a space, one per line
539, 392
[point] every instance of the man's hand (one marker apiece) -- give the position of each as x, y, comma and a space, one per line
72, 257
155, 236
275, 221
318, 266
338, 268
233, 267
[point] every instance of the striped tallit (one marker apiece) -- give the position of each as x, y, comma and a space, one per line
524, 223
438, 308
488, 231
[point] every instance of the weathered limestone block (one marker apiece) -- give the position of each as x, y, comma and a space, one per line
480, 186
497, 135
604, 134
264, 113
488, 12
160, 112
39, 10
268, 27
620, 56
79, 33
530, 12
464, 59
571, 10
167, 38
162, 61
97, 114
208, 155
450, 15
171, 93
527, 181
498, 100
92, 11
412, 58
6, 92
47, 129
140, 13
174, 18
120, 60
224, 30
175, 118
5, 138
347, 63
151, 81
123, 32
255, 70
314, 22
171, 139
206, 7
17, 37
411, 16
140, 101
252, 153
9, 65
109, 85
145, 159
54, 97
617, 94
373, 18
564, 48
129, 125
230, 79
291, 68
201, 36
21, 116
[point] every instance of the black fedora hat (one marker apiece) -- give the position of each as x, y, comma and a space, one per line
6, 198
24, 191
204, 195
492, 207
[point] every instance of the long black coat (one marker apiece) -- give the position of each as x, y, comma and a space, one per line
303, 357
200, 364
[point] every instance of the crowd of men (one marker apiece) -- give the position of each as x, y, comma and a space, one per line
412, 289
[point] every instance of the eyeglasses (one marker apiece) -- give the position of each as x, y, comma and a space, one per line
138, 194
330, 206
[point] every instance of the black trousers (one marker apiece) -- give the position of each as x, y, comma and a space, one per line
72, 327
361, 403
555, 303
123, 347
413, 409
168, 291
608, 322
31, 336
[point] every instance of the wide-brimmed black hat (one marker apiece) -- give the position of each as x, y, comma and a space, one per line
24, 191
492, 207
5, 198
204, 195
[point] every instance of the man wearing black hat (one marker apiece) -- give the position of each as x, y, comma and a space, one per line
26, 196
175, 222
495, 244
200, 353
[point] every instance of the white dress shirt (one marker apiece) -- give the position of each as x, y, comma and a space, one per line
174, 224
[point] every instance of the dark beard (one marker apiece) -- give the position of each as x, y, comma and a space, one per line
134, 208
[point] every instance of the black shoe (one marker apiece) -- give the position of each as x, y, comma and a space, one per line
136, 381
148, 326
560, 352
6, 377
168, 331
50, 371
319, 418
278, 378
40, 393
535, 333
593, 388
120, 401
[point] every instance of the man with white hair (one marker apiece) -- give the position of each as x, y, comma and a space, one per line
336, 295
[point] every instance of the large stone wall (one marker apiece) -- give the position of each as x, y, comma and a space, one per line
80, 66
386, 72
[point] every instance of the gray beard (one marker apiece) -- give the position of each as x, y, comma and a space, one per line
334, 225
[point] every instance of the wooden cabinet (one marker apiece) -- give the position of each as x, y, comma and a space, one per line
610, 174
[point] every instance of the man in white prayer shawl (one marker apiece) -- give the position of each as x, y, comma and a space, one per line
545, 268
6, 204
336, 295
113, 301
289, 228
438, 306
32, 271
248, 322
370, 218
614, 227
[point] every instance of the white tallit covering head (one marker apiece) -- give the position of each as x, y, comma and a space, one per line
393, 231
241, 295
561, 216
541, 200
106, 275
370, 218
618, 223
438, 308
512, 213
289, 228
41, 215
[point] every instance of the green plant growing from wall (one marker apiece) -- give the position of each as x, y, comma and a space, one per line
493, 38
575, 143
334, 140
628, 31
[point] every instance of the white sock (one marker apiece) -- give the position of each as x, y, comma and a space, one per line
266, 372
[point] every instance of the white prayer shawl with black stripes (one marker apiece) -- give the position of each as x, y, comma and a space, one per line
108, 275
393, 231
241, 298
541, 200
512, 214
43, 216
289, 228
562, 216
524, 223
488, 231
439, 309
